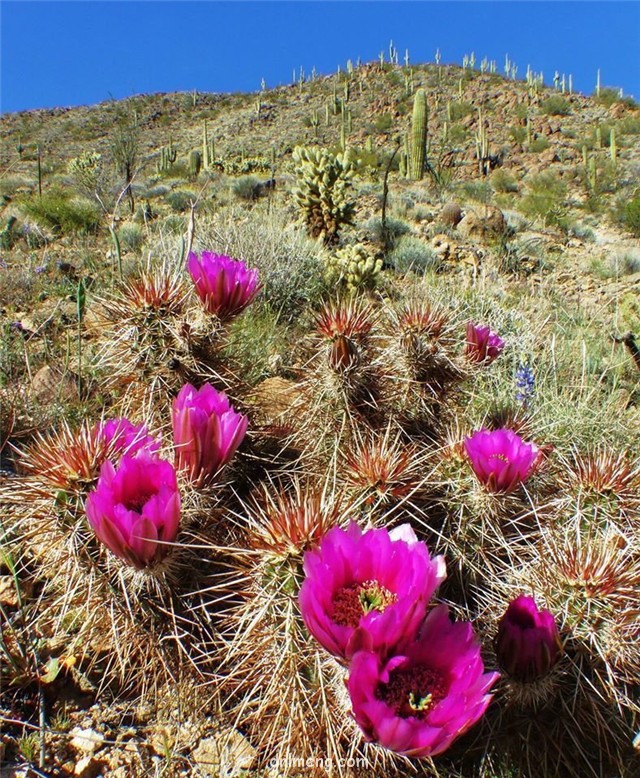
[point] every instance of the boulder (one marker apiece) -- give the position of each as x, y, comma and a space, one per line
451, 214
484, 221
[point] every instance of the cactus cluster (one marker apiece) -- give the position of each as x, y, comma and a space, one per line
353, 267
322, 191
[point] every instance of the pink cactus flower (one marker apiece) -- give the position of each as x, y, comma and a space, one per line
483, 345
528, 644
206, 432
367, 590
120, 436
135, 509
418, 701
501, 459
225, 285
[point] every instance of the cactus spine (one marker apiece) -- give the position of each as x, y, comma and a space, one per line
418, 158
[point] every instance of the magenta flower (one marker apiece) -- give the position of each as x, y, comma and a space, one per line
528, 644
206, 432
501, 459
120, 436
225, 285
420, 700
135, 509
483, 345
367, 590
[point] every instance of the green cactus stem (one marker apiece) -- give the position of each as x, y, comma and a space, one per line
418, 158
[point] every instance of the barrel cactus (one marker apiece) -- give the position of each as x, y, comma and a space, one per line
322, 191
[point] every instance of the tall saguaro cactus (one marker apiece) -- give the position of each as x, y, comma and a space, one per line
418, 160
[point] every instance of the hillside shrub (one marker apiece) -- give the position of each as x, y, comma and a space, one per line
503, 181
538, 145
555, 106
245, 187
180, 200
545, 198
629, 215
412, 255
62, 214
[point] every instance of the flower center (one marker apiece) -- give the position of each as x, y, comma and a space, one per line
137, 501
413, 691
351, 602
501, 457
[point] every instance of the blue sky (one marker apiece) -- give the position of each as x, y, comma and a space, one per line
83, 52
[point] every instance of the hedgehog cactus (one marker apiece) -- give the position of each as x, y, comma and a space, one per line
322, 191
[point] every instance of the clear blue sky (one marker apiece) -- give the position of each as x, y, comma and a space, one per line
83, 52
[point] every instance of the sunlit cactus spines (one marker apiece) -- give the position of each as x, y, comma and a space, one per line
482, 345
528, 643
206, 432
225, 286
418, 700
501, 460
135, 509
367, 589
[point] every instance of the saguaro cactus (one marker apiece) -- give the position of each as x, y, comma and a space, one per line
418, 160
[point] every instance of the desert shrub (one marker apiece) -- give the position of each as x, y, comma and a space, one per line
180, 200
628, 215
538, 145
62, 214
545, 198
518, 134
383, 123
610, 95
503, 181
245, 187
131, 236
630, 125
396, 228
555, 106
288, 261
459, 110
480, 191
458, 134
412, 255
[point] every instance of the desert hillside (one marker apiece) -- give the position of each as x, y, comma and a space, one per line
269, 364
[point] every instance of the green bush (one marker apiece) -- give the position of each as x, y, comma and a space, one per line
629, 215
458, 134
131, 236
538, 145
518, 134
62, 214
503, 181
555, 106
412, 255
459, 110
245, 187
545, 198
396, 228
180, 200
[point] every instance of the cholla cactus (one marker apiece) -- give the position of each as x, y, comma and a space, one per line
354, 267
322, 191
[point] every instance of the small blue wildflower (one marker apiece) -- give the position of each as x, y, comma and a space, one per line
525, 383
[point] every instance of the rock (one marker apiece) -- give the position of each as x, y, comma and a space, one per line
87, 767
228, 754
86, 740
451, 214
50, 384
485, 221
